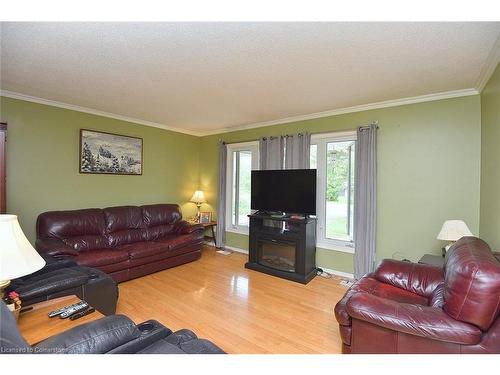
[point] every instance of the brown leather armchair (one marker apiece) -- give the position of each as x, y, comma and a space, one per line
405, 307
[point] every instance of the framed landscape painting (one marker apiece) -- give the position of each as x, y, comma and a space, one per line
107, 153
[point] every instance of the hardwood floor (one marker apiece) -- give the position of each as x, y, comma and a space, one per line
240, 310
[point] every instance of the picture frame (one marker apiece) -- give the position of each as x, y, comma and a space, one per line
110, 153
205, 217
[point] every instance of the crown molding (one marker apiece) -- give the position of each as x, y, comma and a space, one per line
53, 103
489, 66
201, 133
357, 108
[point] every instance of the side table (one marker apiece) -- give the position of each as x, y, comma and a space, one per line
211, 225
36, 326
433, 260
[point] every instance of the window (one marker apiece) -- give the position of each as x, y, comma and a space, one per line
333, 156
242, 158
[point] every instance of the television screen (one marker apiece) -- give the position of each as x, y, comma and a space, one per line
290, 191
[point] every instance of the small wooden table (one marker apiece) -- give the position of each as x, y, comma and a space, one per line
36, 326
211, 225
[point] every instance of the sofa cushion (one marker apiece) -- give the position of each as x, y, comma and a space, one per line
63, 224
80, 229
101, 257
164, 255
176, 241
159, 219
124, 225
370, 285
85, 243
143, 249
160, 214
122, 217
472, 283
421, 279
158, 232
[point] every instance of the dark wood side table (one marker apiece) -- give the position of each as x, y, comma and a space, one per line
433, 260
211, 225
36, 326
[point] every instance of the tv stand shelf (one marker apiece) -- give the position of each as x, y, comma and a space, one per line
307, 219
283, 247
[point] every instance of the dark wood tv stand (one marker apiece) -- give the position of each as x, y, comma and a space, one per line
283, 247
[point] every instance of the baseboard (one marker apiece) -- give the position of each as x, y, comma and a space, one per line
243, 251
338, 273
236, 249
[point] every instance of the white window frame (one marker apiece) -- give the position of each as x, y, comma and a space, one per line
252, 146
321, 140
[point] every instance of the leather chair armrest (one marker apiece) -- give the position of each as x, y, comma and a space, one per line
97, 337
151, 332
424, 321
183, 227
54, 247
51, 283
421, 279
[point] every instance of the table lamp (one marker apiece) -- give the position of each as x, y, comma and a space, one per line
17, 256
452, 231
198, 198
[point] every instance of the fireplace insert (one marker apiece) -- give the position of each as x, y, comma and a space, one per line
277, 254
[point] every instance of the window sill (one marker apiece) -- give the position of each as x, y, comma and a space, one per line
339, 248
244, 231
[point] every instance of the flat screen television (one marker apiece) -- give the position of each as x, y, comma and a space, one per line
290, 191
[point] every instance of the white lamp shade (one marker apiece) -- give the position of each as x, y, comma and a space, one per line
17, 256
198, 197
453, 230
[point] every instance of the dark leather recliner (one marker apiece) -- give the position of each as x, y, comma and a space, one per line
125, 242
64, 278
405, 307
115, 334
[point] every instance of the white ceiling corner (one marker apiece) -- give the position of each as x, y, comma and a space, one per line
489, 66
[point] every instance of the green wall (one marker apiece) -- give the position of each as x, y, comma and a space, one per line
42, 164
429, 157
490, 161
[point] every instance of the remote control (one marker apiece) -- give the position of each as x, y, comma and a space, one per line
80, 314
81, 306
62, 309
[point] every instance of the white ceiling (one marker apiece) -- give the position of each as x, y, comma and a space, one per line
205, 77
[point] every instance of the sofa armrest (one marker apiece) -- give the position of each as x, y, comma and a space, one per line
151, 332
421, 279
54, 247
51, 283
424, 321
97, 337
183, 227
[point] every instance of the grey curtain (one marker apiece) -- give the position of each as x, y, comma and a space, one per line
220, 233
365, 200
297, 151
271, 153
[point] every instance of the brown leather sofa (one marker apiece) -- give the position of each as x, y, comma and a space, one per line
405, 307
126, 241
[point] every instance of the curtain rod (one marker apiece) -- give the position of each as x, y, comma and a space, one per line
375, 122
369, 126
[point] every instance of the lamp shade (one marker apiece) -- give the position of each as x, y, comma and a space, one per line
198, 197
453, 230
17, 256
